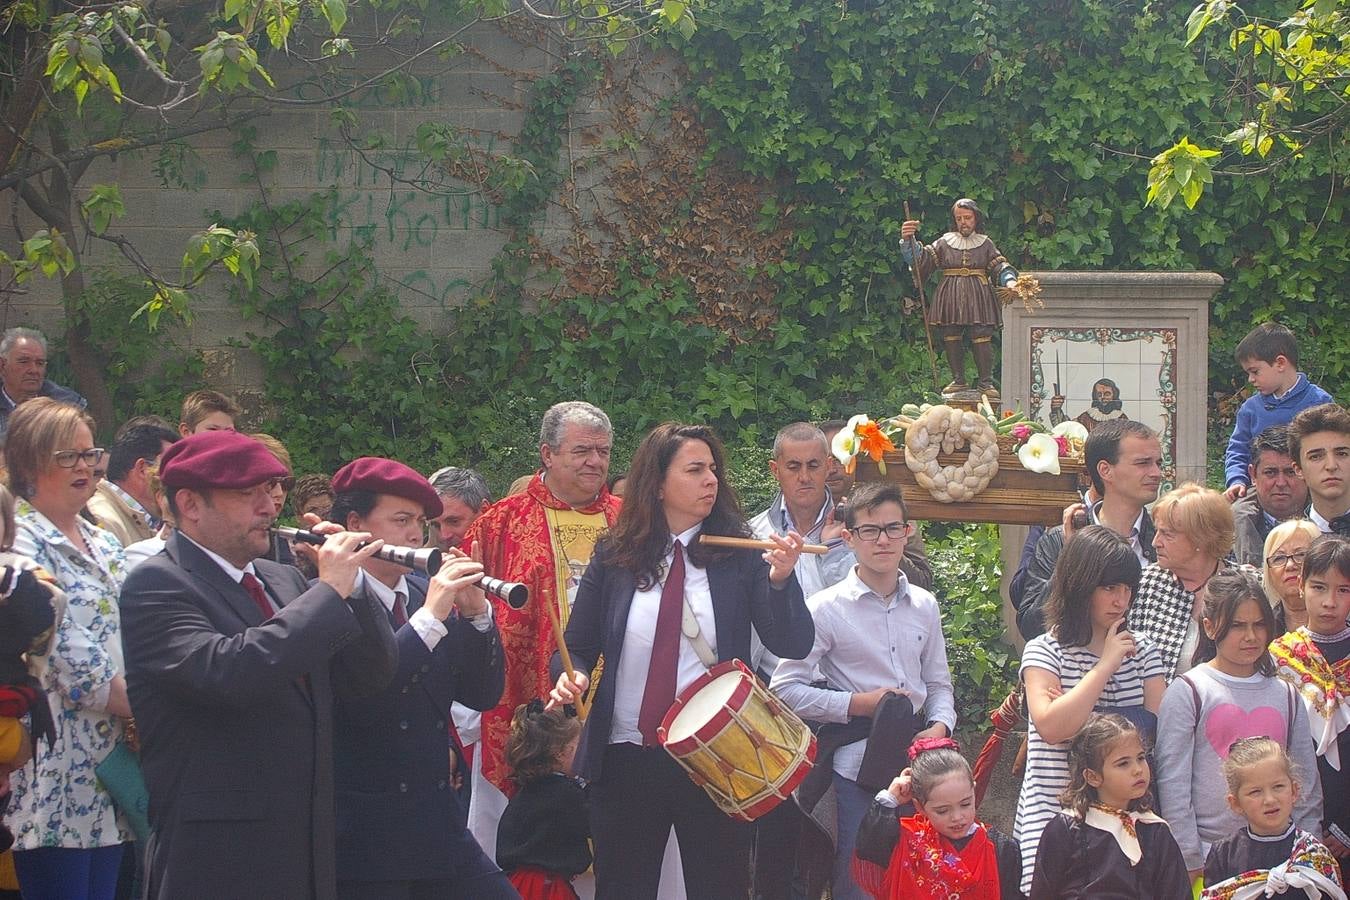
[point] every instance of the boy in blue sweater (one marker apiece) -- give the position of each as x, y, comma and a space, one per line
1269, 356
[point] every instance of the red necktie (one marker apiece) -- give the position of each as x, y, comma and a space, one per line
259, 595
659, 693
400, 610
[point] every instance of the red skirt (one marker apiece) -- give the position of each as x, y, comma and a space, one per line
539, 884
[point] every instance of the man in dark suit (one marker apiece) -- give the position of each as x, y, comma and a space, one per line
401, 827
232, 666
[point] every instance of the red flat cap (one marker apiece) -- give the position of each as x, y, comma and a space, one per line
386, 476
218, 459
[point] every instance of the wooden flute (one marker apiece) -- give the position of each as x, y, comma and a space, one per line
717, 540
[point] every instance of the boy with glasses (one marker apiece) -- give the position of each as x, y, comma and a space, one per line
876, 634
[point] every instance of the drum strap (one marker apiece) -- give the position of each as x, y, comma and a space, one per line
690, 629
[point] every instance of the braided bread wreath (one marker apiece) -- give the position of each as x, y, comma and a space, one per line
943, 429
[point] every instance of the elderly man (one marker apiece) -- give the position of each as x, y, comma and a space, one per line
23, 373
401, 829
232, 665
1278, 494
124, 502
542, 537
464, 497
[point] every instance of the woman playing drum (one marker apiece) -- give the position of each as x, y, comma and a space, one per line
648, 585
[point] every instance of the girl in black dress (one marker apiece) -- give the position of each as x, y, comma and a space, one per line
543, 840
1262, 788
1108, 844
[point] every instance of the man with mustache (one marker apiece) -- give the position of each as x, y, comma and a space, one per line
1278, 493
233, 663
1106, 406
964, 303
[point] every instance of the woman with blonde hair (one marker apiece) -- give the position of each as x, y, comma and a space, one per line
68, 834
1282, 574
1194, 537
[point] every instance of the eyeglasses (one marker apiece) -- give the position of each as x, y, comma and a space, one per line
1280, 560
68, 459
871, 533
286, 484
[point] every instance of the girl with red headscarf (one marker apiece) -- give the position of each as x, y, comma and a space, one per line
941, 851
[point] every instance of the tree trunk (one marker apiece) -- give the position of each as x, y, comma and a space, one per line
53, 206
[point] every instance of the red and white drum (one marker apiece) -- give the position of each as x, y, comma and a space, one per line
738, 741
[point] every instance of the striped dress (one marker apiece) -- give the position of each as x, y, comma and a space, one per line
1047, 771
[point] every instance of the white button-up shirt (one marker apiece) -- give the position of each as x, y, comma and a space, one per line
865, 642
631, 676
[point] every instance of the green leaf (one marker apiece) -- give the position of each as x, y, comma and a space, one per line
335, 11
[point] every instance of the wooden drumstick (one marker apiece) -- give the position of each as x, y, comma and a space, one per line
583, 708
717, 540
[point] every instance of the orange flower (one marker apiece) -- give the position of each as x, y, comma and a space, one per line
872, 441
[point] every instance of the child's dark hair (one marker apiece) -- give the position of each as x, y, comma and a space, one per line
1087, 750
932, 760
1330, 551
1267, 341
869, 495
1252, 751
538, 738
1226, 592
1094, 557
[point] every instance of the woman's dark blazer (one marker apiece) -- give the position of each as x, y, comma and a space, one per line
741, 597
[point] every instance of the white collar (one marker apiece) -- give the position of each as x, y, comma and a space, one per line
1321, 521
856, 588
685, 537
1271, 838
388, 594
958, 241
1126, 835
230, 568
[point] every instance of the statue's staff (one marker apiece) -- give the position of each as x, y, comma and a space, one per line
923, 303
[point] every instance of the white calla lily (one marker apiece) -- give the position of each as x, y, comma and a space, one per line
1039, 454
845, 443
1071, 429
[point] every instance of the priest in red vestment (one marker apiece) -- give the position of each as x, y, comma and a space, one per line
543, 538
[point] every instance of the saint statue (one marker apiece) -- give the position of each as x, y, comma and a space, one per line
964, 303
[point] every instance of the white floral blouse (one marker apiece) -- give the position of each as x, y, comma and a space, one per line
58, 801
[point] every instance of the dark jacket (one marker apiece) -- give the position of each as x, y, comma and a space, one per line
1041, 568
1249, 545
741, 596
398, 817
236, 721
49, 389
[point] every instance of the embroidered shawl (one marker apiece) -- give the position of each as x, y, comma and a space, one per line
924, 866
1310, 869
1324, 687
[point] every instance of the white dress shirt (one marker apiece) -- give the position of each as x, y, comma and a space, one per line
630, 679
865, 642
234, 571
1322, 522
423, 621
